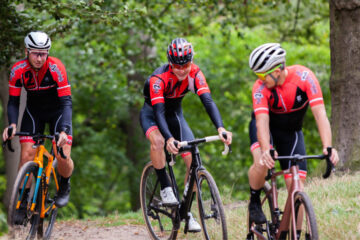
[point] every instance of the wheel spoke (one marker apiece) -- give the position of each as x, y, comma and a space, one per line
210, 208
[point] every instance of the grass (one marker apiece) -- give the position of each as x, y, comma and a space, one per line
336, 202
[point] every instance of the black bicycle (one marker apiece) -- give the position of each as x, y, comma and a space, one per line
163, 222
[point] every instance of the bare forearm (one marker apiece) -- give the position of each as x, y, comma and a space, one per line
323, 125
263, 131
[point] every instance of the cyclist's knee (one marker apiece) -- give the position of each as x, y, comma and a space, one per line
157, 143
27, 152
257, 169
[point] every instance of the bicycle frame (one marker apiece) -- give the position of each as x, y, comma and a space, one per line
289, 209
282, 226
187, 197
39, 159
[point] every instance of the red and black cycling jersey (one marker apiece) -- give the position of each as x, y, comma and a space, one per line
164, 92
48, 90
286, 104
163, 85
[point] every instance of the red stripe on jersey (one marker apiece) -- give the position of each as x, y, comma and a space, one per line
14, 91
64, 91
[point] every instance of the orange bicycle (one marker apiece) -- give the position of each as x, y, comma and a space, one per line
35, 191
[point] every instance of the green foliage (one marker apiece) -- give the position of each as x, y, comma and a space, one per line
109, 48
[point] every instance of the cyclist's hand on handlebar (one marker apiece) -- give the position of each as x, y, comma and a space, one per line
5, 133
62, 139
170, 146
267, 160
228, 139
334, 158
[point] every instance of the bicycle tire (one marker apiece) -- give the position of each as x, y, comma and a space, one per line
46, 224
211, 210
159, 219
308, 223
30, 223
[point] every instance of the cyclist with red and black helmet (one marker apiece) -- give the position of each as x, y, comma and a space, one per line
281, 96
48, 101
162, 118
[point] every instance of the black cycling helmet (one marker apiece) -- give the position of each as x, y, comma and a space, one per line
180, 51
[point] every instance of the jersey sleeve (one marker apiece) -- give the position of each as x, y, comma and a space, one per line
313, 89
260, 98
59, 74
201, 85
157, 88
15, 83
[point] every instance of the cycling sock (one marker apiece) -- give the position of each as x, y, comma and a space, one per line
162, 176
255, 195
64, 180
298, 234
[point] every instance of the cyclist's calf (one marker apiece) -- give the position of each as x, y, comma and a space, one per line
66, 166
257, 171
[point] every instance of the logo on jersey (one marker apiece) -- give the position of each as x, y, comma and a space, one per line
54, 68
201, 79
299, 98
258, 95
306, 76
156, 86
29, 80
12, 73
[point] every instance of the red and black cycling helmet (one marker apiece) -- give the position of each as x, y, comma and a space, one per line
180, 51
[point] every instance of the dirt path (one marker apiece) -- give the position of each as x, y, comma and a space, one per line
95, 229
90, 231
80, 230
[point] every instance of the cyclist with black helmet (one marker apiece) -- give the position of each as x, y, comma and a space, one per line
162, 118
281, 96
48, 101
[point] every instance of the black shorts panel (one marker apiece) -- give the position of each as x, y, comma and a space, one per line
287, 143
177, 124
34, 121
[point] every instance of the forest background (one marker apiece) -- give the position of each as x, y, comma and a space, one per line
109, 49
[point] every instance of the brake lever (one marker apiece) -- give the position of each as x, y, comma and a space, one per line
227, 148
329, 164
59, 149
8, 141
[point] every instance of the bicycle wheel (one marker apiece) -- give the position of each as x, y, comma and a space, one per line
211, 211
24, 228
305, 218
49, 192
158, 219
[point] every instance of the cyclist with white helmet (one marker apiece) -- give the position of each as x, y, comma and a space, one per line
48, 101
281, 96
162, 118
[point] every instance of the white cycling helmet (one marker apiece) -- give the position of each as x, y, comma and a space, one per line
37, 40
266, 57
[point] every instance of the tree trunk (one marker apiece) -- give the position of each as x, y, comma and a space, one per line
134, 151
345, 80
11, 158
